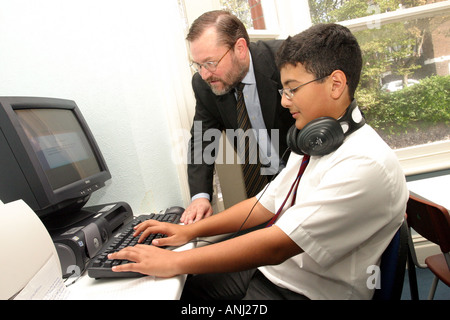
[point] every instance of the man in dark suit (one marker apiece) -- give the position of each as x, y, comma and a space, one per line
223, 58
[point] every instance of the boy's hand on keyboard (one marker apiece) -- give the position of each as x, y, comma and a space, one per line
145, 259
176, 235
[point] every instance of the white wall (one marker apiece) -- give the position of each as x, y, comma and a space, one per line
195, 8
125, 64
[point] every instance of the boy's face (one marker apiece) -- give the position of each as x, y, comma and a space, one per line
308, 102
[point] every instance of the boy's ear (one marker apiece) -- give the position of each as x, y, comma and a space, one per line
339, 83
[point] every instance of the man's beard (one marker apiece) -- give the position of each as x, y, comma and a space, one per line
230, 80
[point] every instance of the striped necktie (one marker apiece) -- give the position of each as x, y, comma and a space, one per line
292, 190
254, 181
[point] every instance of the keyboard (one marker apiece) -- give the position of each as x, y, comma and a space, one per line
100, 266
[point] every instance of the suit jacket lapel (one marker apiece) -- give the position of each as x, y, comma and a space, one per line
227, 108
267, 92
268, 100
267, 87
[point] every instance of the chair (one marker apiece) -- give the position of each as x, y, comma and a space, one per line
432, 222
392, 266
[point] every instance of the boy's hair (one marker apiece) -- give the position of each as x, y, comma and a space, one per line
322, 49
229, 28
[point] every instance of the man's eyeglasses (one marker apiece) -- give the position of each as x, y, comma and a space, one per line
289, 93
211, 66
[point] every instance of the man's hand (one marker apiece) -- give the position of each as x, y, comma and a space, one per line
199, 208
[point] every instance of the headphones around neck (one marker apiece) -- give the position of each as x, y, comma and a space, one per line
325, 134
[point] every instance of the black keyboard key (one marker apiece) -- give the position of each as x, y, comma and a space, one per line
100, 266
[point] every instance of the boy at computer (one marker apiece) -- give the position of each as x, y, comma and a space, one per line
334, 221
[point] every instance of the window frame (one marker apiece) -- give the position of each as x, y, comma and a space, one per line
272, 30
419, 12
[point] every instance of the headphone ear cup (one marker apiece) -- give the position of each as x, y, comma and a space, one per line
291, 139
321, 137
325, 135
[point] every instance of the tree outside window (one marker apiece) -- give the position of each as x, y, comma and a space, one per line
405, 83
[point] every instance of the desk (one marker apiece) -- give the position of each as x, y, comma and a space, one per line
434, 189
145, 288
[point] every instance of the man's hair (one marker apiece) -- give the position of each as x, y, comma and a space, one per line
229, 28
322, 49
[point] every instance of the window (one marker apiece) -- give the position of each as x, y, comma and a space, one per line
405, 83
250, 12
259, 16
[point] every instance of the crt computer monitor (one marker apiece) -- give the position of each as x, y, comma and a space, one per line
48, 158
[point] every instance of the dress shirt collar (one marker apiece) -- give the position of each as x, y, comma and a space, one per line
250, 76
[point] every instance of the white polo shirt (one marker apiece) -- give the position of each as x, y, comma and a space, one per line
349, 205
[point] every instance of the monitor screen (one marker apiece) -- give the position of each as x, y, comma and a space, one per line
49, 157
60, 145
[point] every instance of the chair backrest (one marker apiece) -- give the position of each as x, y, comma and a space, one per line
392, 266
430, 220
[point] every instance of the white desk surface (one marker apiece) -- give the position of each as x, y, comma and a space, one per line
145, 288
434, 189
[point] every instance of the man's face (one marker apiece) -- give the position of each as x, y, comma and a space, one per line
230, 70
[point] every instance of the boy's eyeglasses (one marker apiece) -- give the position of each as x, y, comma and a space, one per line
289, 93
